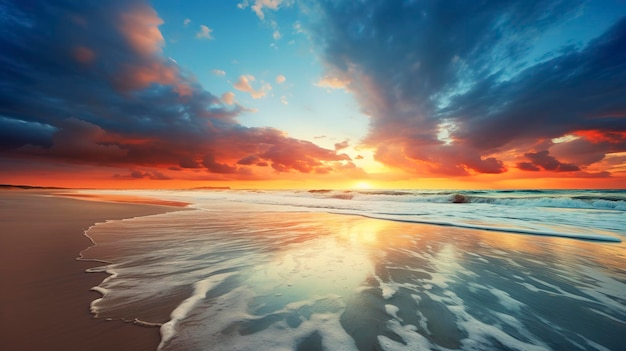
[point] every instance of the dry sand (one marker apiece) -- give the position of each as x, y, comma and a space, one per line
45, 292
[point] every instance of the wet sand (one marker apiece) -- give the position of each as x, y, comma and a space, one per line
45, 292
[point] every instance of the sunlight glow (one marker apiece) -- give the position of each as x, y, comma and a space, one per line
362, 185
445, 131
564, 139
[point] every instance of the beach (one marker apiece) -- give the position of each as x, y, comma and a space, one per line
314, 270
45, 295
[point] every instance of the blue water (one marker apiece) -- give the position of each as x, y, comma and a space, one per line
363, 270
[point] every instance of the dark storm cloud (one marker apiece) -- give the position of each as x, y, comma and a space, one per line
451, 88
544, 160
249, 160
136, 174
86, 82
283, 156
15, 133
580, 90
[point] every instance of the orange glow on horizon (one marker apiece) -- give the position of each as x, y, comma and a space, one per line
104, 180
362, 185
94, 176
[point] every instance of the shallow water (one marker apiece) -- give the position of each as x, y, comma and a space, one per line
242, 276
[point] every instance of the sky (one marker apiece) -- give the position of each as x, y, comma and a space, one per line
313, 93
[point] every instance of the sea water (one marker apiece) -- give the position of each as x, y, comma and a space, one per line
371, 270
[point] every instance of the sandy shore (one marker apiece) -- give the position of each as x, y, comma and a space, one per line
45, 293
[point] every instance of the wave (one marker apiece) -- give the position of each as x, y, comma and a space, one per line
578, 215
606, 200
581, 214
571, 235
168, 330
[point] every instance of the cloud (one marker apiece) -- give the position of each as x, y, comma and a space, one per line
218, 72
15, 133
303, 156
139, 76
249, 160
542, 159
128, 106
204, 33
259, 5
186, 22
140, 26
83, 54
276, 35
418, 69
78, 139
244, 84
342, 145
280, 79
297, 27
228, 98
137, 174
244, 4
216, 167
187, 162
332, 83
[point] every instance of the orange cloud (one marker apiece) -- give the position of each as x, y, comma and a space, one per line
333, 83
140, 76
140, 25
598, 136
228, 97
259, 5
243, 84
135, 115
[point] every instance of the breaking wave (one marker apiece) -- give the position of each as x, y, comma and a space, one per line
606, 200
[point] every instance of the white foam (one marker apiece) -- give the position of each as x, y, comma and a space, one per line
93, 306
220, 324
479, 333
388, 289
594, 345
200, 290
530, 287
506, 300
606, 315
392, 311
412, 339
607, 290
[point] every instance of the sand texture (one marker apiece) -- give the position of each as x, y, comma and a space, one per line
45, 293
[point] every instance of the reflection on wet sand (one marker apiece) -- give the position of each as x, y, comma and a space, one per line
310, 281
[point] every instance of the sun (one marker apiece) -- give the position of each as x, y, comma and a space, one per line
362, 185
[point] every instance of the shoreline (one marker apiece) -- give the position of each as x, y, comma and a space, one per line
47, 291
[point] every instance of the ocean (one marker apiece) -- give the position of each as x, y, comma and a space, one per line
370, 270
